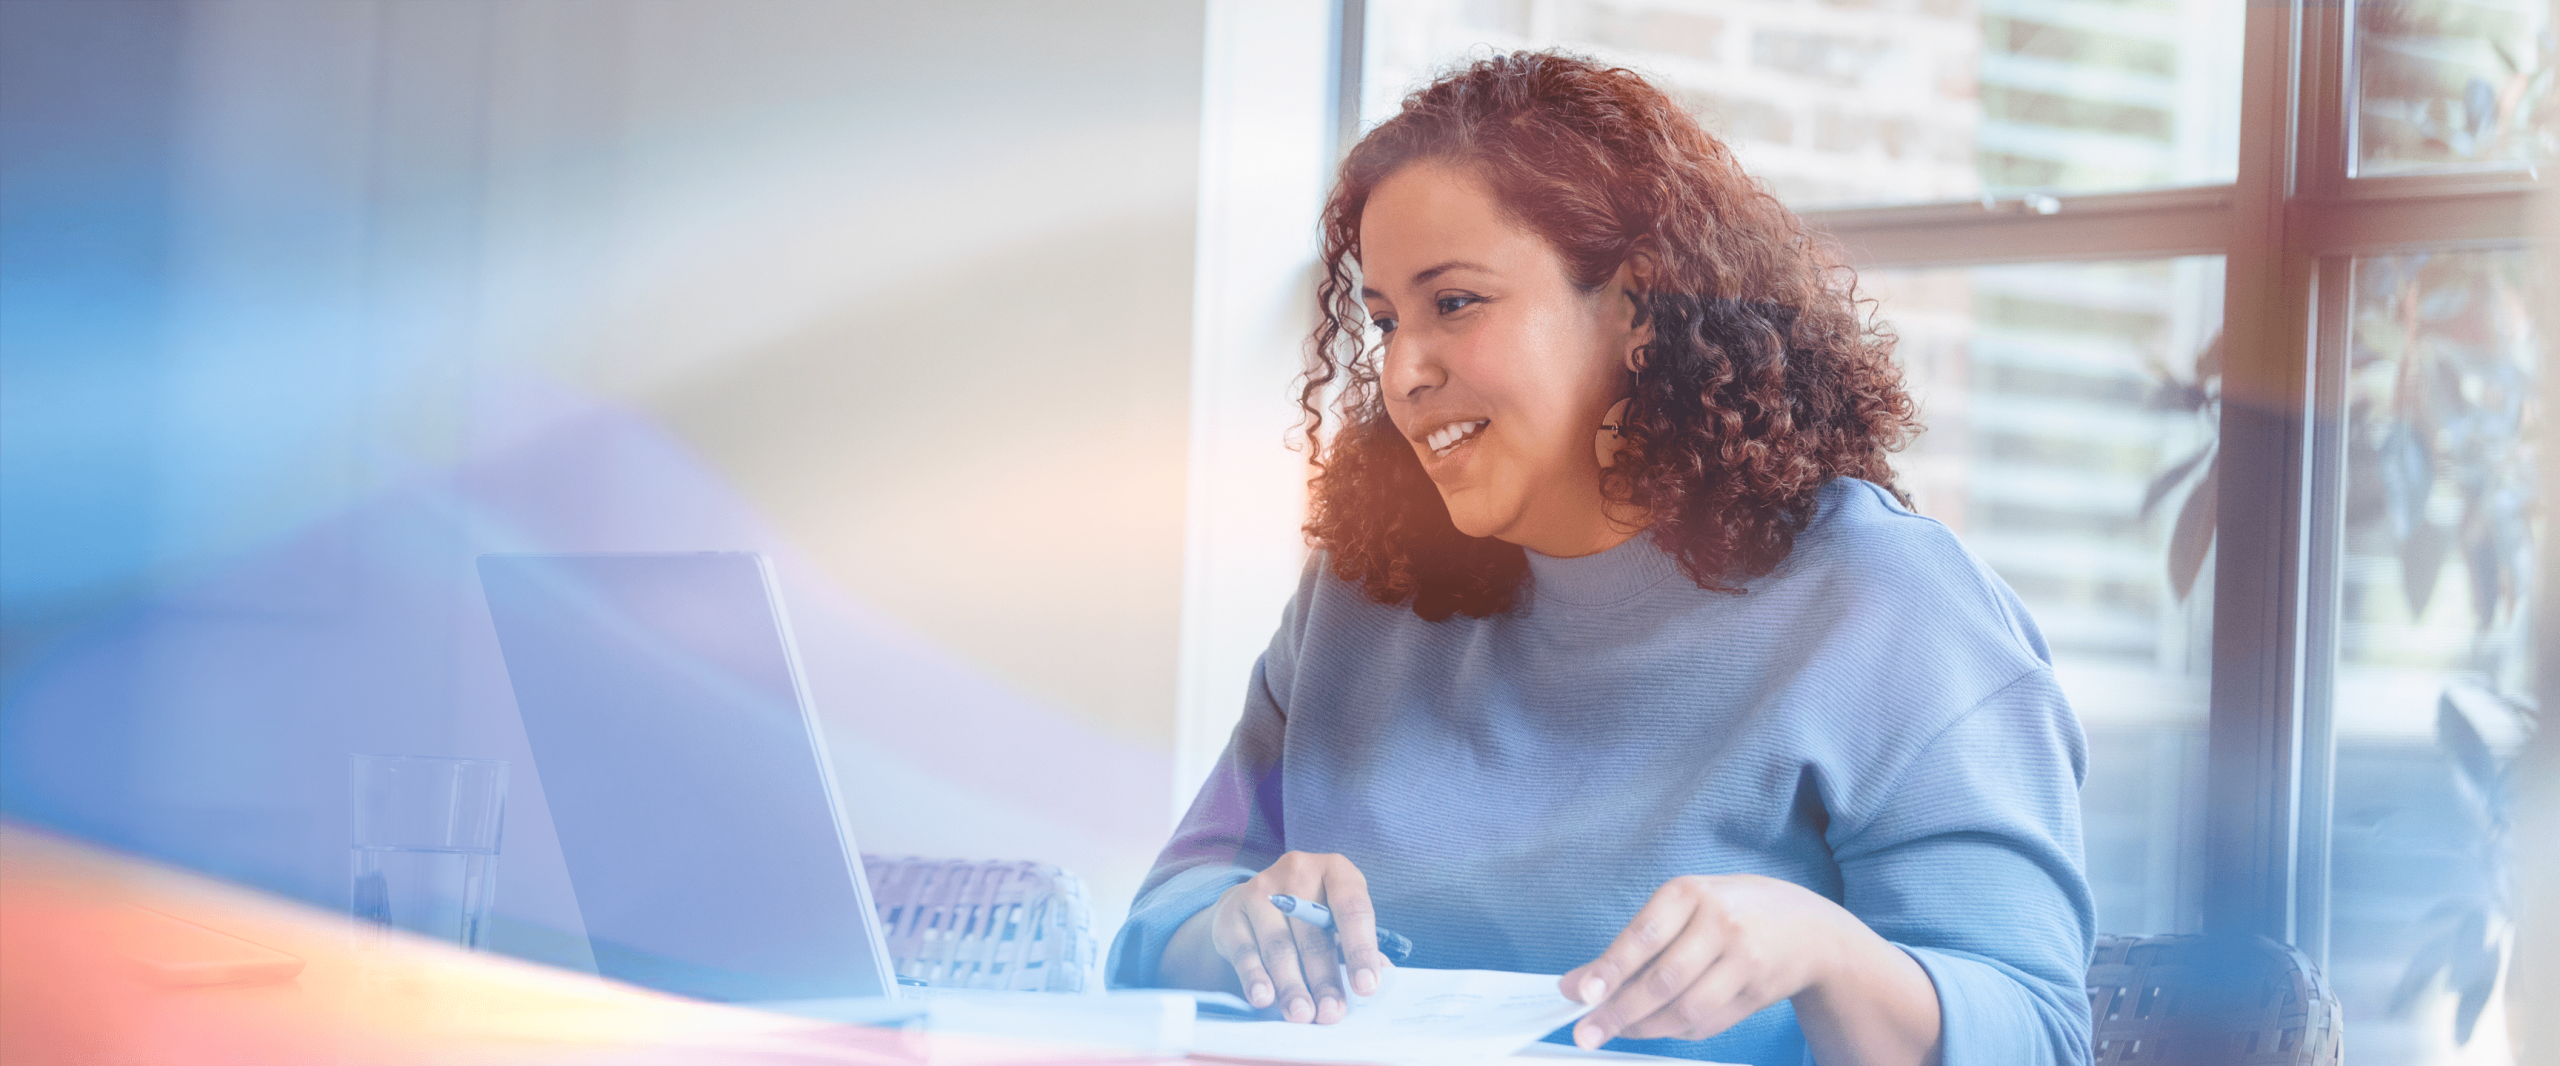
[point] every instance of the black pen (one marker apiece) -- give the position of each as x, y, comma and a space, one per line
1394, 946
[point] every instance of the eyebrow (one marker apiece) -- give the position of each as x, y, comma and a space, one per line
1430, 272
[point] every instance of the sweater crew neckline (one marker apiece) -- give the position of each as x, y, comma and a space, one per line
1602, 578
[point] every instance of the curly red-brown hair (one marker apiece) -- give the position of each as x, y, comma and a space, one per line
1764, 380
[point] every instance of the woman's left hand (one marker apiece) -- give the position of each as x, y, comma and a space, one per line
1707, 952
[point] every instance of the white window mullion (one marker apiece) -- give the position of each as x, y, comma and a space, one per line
2136, 225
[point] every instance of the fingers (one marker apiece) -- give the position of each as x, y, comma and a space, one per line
1355, 924
1322, 965
1233, 937
1290, 964
1660, 985
1619, 980
1271, 938
1715, 1002
1661, 918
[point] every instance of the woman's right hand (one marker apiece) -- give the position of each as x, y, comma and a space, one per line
1276, 959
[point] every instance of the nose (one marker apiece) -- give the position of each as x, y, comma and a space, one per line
1409, 368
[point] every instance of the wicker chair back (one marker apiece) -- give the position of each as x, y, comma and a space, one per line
2188, 1001
1014, 926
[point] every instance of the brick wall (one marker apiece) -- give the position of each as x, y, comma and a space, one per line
1839, 101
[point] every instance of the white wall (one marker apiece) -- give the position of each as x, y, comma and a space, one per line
1266, 156
900, 294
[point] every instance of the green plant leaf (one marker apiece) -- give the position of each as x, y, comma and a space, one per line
2451, 907
2480, 555
2193, 535
2471, 755
2170, 479
2423, 966
2474, 973
2408, 475
2421, 561
2496, 541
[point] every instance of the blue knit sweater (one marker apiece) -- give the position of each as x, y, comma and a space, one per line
1875, 720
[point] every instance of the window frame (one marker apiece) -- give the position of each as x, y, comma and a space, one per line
2289, 227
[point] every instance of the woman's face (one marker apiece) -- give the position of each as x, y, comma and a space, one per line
1499, 369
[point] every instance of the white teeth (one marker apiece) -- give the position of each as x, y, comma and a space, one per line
1448, 436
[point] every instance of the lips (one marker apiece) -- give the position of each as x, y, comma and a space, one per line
1446, 439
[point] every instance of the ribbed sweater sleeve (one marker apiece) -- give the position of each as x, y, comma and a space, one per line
1231, 832
1971, 864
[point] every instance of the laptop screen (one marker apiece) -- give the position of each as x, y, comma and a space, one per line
685, 774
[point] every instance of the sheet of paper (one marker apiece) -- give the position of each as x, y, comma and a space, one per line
1589, 1058
1421, 1018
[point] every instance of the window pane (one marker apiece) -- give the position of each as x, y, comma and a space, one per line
2453, 84
2071, 412
1893, 102
2435, 661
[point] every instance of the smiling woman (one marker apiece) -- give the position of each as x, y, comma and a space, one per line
1500, 329
1620, 658
1544, 239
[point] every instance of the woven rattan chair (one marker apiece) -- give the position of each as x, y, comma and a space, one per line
2190, 1001
1016, 926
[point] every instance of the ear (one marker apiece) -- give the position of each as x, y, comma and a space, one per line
1634, 281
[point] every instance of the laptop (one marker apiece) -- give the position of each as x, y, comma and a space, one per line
689, 786
686, 776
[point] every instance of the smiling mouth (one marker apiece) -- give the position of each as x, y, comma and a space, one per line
1446, 439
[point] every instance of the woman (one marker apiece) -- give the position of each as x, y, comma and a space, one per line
1620, 657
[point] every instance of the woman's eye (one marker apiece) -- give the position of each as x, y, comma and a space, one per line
1450, 305
1385, 325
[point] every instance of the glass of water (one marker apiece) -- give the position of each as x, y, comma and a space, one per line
425, 855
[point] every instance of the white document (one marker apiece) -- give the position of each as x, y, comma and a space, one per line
1421, 1018
958, 1025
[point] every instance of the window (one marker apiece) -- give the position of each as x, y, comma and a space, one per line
2069, 431
2453, 84
2223, 318
2434, 664
1889, 103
